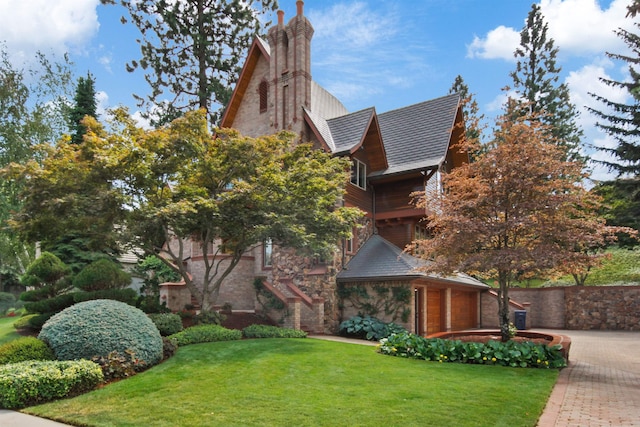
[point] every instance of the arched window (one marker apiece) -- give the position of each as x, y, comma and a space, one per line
263, 92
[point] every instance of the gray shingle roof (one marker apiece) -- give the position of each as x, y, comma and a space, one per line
418, 136
349, 130
378, 259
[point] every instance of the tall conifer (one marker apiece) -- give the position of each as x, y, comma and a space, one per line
84, 105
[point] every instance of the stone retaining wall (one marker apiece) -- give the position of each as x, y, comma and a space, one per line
580, 307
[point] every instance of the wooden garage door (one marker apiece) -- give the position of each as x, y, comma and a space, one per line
464, 310
434, 311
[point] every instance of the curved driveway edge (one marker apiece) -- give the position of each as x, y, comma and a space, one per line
601, 386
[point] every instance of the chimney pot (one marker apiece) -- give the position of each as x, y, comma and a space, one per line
300, 6
281, 17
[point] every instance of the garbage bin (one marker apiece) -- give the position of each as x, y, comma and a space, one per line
521, 319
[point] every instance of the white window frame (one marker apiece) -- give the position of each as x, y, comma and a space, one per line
359, 174
267, 253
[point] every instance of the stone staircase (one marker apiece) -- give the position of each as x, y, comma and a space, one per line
300, 311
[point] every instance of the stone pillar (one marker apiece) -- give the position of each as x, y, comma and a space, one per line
293, 320
318, 315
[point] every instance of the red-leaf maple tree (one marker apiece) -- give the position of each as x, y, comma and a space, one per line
518, 209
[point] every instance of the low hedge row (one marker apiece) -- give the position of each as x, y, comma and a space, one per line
510, 353
30, 383
205, 333
23, 349
167, 323
59, 303
266, 331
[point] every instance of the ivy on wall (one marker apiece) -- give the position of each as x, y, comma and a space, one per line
373, 300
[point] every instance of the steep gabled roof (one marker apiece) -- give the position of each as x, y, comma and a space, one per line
417, 137
348, 131
378, 260
259, 48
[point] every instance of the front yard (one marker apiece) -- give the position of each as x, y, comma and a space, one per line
270, 382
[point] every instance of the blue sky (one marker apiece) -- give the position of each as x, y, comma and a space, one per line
381, 53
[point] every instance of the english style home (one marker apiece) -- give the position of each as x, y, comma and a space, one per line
393, 154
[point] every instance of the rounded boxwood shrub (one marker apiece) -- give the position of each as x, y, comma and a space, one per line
98, 327
23, 349
167, 323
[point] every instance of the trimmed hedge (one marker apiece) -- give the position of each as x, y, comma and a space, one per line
205, 333
98, 327
24, 322
23, 349
59, 303
100, 275
167, 323
511, 353
266, 331
30, 383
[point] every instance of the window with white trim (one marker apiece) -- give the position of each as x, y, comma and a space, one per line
359, 174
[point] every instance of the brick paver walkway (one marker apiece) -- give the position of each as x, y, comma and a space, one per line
601, 386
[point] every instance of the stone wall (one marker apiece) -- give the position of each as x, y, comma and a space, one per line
574, 307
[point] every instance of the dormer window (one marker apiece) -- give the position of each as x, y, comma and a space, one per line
359, 174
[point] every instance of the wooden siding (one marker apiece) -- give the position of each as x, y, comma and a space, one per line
397, 195
399, 234
464, 310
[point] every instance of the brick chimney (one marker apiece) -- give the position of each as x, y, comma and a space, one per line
290, 70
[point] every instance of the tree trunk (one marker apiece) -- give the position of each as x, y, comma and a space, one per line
503, 305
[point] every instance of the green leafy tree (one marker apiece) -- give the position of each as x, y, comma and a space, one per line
32, 110
621, 206
84, 105
69, 193
191, 50
515, 210
535, 80
226, 195
621, 119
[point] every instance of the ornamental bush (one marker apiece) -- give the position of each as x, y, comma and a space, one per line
205, 333
511, 353
33, 382
368, 328
98, 327
267, 331
100, 275
167, 323
23, 349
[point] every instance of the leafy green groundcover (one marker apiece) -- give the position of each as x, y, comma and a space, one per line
309, 382
510, 353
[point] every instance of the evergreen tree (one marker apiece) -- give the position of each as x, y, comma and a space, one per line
535, 80
84, 105
470, 110
192, 49
621, 120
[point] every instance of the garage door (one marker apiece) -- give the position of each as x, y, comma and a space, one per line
464, 310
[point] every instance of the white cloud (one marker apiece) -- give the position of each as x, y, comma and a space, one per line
141, 121
578, 27
46, 25
500, 43
102, 101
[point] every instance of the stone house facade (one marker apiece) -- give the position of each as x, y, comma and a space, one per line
393, 154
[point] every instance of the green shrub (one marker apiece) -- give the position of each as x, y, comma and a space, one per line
209, 318
47, 269
368, 328
37, 321
7, 301
98, 327
205, 333
33, 382
510, 353
267, 331
24, 322
25, 348
167, 323
100, 275
51, 305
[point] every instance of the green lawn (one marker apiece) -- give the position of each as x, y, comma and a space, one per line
7, 331
309, 382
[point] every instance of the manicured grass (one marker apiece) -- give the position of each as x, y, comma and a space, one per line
309, 382
7, 331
